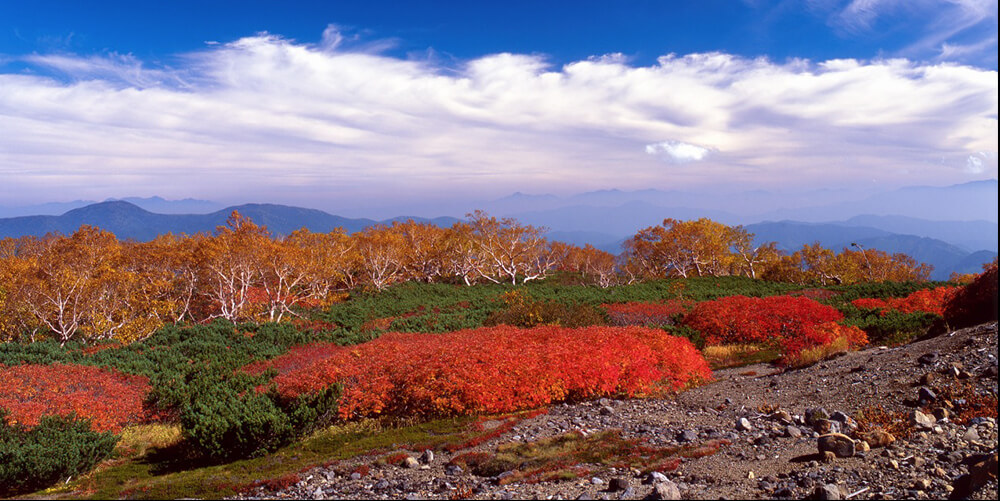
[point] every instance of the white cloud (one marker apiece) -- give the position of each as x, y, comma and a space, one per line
677, 152
266, 116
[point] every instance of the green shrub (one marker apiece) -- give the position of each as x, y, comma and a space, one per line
524, 311
890, 327
58, 448
227, 419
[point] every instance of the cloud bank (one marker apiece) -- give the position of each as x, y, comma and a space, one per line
269, 118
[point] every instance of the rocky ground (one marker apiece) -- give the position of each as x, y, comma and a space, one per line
793, 435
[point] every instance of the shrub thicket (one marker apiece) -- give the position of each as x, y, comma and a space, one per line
57, 448
975, 303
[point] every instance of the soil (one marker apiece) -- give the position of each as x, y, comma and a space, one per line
762, 461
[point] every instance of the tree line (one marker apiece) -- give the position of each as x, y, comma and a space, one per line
91, 285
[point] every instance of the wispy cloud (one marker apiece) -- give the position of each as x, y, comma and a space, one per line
342, 121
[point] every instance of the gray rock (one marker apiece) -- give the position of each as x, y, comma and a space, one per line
926, 394
656, 477
381, 485
838, 444
410, 462
318, 493
427, 457
665, 490
607, 410
793, 431
828, 491
585, 496
743, 424
617, 484
687, 436
815, 414
971, 434
597, 481
928, 358
628, 493
355, 476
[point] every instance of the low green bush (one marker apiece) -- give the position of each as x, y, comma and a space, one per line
889, 327
57, 448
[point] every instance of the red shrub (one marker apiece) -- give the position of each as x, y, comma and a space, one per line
791, 323
110, 399
741, 319
295, 359
498, 369
926, 300
975, 303
622, 314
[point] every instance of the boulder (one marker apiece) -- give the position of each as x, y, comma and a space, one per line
837, 443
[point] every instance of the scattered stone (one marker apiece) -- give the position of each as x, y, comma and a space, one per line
927, 379
971, 435
815, 414
410, 462
793, 431
743, 424
928, 358
829, 457
382, 485
318, 493
925, 394
617, 484
355, 476
922, 484
941, 413
687, 436
665, 490
597, 481
921, 420
585, 496
427, 457
878, 438
607, 410
824, 426
828, 492
837, 443
656, 477
781, 416
863, 446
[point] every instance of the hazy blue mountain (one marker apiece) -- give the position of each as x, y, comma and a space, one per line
970, 235
162, 206
128, 221
791, 235
961, 202
973, 263
46, 209
945, 257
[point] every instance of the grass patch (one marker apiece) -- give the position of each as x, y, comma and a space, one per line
136, 441
810, 356
738, 355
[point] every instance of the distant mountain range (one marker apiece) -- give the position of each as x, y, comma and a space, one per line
953, 228
128, 221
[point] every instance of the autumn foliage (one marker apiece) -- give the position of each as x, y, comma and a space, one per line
495, 370
791, 323
925, 300
109, 399
637, 313
976, 302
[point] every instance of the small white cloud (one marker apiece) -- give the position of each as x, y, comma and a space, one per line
678, 152
974, 165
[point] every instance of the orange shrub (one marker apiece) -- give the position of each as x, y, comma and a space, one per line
926, 300
108, 398
498, 369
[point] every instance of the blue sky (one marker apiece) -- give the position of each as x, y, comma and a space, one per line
308, 101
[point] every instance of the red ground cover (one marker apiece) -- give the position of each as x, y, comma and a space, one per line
110, 399
927, 300
496, 369
791, 323
646, 313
